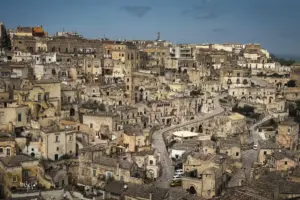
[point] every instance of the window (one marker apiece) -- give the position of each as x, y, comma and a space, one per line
1, 150
285, 162
151, 162
46, 96
19, 117
15, 179
57, 148
237, 153
94, 172
39, 97
265, 153
56, 138
70, 137
8, 152
91, 125
25, 173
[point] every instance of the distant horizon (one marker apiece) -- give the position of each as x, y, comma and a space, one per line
190, 21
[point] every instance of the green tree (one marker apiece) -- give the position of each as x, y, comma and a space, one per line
291, 83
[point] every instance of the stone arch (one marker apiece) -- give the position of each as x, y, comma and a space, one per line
192, 189
120, 102
270, 99
250, 98
192, 129
244, 98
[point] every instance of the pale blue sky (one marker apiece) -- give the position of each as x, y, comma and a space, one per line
273, 23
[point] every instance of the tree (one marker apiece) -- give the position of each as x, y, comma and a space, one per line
282, 61
102, 107
195, 93
260, 74
291, 83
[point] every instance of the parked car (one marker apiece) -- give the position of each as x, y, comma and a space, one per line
175, 183
176, 177
179, 173
179, 170
255, 147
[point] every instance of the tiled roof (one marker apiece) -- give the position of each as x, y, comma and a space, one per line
113, 162
14, 161
144, 191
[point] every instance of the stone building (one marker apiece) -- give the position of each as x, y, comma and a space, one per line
149, 161
7, 145
255, 95
101, 169
265, 149
134, 139
205, 174
102, 122
57, 142
234, 77
282, 160
231, 147
288, 134
22, 173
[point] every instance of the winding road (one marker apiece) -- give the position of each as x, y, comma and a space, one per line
159, 144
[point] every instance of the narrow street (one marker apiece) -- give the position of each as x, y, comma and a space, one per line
248, 156
254, 134
158, 143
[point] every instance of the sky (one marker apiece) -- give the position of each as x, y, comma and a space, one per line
273, 23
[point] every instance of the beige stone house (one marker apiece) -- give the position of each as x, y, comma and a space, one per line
231, 77
134, 139
102, 122
265, 149
231, 147
282, 160
7, 145
149, 161
288, 134
254, 94
205, 174
94, 172
57, 142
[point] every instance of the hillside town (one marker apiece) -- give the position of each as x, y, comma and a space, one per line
101, 119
